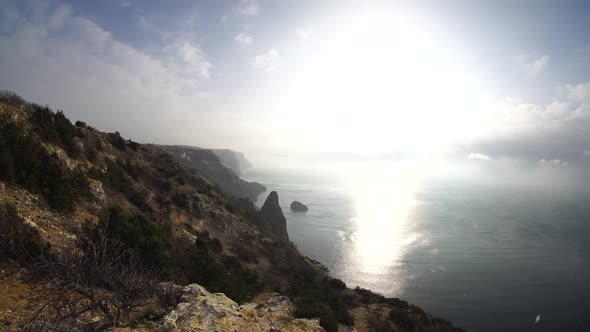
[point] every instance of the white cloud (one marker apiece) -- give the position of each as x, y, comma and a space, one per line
479, 156
246, 8
72, 63
244, 39
268, 61
579, 92
557, 109
534, 66
304, 33
553, 162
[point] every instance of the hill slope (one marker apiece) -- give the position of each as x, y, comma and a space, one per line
96, 230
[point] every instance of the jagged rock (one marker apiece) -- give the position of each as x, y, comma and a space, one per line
271, 217
200, 310
298, 206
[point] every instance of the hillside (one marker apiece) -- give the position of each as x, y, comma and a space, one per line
222, 168
99, 232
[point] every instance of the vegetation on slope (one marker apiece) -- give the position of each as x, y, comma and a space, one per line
161, 223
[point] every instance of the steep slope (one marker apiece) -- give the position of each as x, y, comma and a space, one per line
209, 164
152, 220
233, 160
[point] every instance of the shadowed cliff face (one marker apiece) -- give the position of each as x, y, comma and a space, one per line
271, 218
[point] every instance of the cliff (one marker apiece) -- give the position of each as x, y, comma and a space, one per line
233, 160
271, 217
220, 167
91, 224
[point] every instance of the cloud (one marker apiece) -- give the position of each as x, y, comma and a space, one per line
586, 153
579, 92
244, 39
125, 4
246, 8
478, 156
534, 66
70, 62
304, 33
268, 61
553, 162
525, 131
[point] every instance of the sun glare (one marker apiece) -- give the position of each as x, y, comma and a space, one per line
380, 82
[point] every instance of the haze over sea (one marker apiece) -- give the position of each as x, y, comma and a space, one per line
489, 254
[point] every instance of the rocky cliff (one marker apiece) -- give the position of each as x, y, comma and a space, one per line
221, 167
271, 217
91, 223
234, 160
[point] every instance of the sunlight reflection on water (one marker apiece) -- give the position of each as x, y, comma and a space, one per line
382, 233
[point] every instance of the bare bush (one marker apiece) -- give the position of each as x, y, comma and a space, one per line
100, 282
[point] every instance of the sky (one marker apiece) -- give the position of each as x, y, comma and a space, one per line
476, 80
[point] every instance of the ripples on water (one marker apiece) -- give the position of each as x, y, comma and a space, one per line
487, 257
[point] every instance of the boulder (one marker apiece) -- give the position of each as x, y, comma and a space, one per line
200, 310
271, 217
298, 206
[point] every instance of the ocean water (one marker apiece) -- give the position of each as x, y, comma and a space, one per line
487, 256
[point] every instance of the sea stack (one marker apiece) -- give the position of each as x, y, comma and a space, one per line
271, 217
297, 206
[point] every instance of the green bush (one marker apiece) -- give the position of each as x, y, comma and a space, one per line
18, 240
118, 178
24, 161
401, 317
56, 128
203, 263
150, 240
314, 309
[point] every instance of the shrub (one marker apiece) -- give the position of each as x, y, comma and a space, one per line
18, 240
56, 128
401, 317
101, 276
117, 141
314, 309
151, 241
118, 178
24, 161
199, 264
11, 98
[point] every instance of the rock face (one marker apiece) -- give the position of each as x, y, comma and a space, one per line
200, 310
271, 217
298, 206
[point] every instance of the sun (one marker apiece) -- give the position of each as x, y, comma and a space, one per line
380, 82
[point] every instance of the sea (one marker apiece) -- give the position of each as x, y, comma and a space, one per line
486, 254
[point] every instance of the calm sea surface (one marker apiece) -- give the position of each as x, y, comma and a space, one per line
488, 257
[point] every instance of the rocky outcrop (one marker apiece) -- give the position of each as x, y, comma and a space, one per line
200, 310
271, 217
297, 206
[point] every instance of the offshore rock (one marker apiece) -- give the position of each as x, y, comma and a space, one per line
271, 217
298, 206
200, 310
